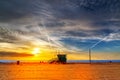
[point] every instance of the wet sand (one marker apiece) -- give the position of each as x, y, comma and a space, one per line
60, 71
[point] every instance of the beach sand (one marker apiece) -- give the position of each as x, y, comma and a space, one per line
60, 71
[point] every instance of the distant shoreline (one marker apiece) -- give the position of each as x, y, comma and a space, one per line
15, 63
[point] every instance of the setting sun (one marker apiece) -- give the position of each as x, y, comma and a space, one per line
36, 51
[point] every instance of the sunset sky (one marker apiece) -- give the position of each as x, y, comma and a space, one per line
28, 27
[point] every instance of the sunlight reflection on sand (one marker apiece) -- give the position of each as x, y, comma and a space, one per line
60, 72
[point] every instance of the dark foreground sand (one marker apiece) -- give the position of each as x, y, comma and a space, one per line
60, 71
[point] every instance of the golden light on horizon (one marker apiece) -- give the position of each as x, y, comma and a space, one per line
36, 51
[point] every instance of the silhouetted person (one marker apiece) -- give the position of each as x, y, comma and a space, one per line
18, 62
110, 61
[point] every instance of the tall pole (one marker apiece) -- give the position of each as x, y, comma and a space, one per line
90, 55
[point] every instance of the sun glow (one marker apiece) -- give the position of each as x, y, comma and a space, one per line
36, 51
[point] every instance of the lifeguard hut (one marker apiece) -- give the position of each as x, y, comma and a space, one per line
62, 58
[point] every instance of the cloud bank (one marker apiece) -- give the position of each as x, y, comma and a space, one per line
60, 23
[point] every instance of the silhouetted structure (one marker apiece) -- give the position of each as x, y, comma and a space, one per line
90, 60
18, 62
62, 58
